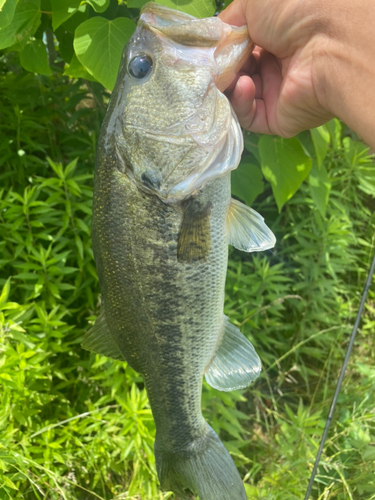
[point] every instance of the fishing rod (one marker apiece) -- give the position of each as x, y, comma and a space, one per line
341, 377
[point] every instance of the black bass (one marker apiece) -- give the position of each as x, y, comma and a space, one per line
162, 220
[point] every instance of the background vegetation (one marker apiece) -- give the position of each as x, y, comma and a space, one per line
75, 425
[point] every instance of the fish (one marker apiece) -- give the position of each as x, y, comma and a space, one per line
163, 217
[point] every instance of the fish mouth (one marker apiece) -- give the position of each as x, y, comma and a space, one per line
231, 44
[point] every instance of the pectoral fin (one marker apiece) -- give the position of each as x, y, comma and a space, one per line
247, 230
99, 339
194, 239
235, 364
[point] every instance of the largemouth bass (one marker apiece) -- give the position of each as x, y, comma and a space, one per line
162, 220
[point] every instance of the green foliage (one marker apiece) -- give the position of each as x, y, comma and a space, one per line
75, 425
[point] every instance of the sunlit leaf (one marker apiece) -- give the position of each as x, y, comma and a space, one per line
334, 128
63, 10
5, 293
355, 152
99, 43
98, 5
7, 9
79, 16
196, 8
8, 482
24, 24
321, 139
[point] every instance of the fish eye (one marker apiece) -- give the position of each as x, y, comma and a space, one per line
140, 66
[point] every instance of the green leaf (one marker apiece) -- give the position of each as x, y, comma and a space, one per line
81, 15
320, 186
7, 10
34, 58
5, 292
54, 290
98, 5
307, 143
65, 44
8, 482
334, 128
19, 417
83, 226
76, 70
99, 43
69, 169
284, 164
79, 245
321, 140
27, 276
63, 10
24, 24
247, 182
251, 144
355, 152
197, 8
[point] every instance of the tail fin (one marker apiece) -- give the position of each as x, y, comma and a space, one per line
205, 468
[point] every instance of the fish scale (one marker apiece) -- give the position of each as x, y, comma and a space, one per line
162, 220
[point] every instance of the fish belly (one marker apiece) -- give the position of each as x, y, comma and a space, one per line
165, 315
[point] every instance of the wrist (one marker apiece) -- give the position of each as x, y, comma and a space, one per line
344, 65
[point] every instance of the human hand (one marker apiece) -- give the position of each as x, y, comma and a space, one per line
276, 93
313, 60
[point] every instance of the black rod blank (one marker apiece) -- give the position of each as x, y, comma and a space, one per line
341, 377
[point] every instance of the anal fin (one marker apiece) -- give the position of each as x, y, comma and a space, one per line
247, 230
235, 364
99, 339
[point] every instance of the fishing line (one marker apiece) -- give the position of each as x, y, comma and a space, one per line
341, 377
